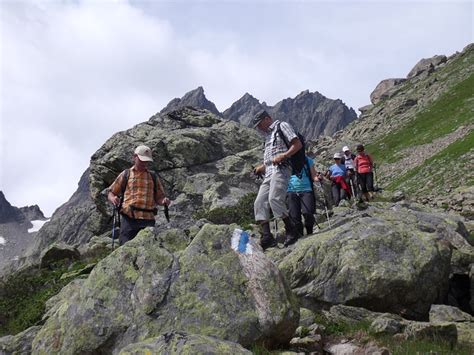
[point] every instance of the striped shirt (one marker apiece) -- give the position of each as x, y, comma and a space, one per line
275, 145
138, 193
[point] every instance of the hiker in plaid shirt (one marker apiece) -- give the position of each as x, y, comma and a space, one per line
277, 172
139, 193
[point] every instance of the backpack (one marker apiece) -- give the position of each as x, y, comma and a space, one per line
124, 187
297, 160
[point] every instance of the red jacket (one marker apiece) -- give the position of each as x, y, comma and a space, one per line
363, 163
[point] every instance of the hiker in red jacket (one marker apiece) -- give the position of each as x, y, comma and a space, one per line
364, 165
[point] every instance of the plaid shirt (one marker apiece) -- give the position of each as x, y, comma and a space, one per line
275, 145
138, 193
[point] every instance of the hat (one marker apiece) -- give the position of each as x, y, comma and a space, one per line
345, 148
259, 116
337, 155
144, 153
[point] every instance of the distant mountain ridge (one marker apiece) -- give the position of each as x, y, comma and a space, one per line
312, 114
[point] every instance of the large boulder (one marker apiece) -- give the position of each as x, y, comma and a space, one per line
383, 88
19, 343
389, 258
184, 343
142, 290
427, 65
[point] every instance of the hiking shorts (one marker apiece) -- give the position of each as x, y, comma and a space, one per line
129, 227
366, 182
272, 195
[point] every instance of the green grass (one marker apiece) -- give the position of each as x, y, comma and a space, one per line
23, 296
440, 170
450, 111
242, 213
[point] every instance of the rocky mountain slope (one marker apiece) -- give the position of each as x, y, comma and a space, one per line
420, 131
15, 237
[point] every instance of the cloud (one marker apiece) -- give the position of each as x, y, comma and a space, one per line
75, 72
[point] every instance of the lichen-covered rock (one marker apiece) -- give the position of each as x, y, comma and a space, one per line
183, 343
388, 258
442, 313
20, 343
57, 252
440, 332
427, 65
142, 290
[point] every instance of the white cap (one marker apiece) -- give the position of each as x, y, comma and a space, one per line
337, 155
144, 153
345, 148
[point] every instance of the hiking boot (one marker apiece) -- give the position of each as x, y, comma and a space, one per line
309, 230
291, 232
267, 240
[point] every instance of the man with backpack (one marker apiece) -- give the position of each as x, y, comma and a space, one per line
364, 165
281, 143
136, 192
301, 198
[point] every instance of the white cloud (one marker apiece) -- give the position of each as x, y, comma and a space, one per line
75, 72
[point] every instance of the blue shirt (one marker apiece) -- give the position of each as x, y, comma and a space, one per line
338, 170
304, 184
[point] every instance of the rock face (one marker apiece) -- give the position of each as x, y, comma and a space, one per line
8, 213
383, 88
194, 98
142, 290
33, 213
312, 114
394, 258
427, 65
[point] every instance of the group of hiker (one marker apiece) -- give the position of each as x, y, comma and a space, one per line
287, 190
288, 186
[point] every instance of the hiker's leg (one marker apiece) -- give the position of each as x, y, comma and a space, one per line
261, 205
335, 194
266, 240
370, 184
278, 190
294, 206
128, 229
343, 194
308, 206
363, 185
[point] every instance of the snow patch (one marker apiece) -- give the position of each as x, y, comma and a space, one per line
2, 240
36, 225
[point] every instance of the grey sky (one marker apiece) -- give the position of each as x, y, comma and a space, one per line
75, 72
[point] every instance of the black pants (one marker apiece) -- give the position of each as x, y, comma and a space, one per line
302, 202
366, 181
130, 227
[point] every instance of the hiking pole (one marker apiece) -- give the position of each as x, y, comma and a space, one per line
167, 213
113, 227
325, 204
352, 188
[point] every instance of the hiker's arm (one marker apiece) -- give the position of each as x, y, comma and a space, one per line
259, 170
160, 197
113, 198
295, 145
314, 174
114, 191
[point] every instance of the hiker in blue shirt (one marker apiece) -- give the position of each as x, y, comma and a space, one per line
338, 174
301, 197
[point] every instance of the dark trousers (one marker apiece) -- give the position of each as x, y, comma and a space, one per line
338, 193
129, 227
366, 182
302, 203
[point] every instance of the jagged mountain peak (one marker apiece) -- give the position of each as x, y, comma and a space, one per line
195, 98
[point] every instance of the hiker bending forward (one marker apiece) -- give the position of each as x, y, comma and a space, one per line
277, 172
301, 197
140, 193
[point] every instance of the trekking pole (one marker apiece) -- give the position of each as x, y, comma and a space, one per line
325, 204
352, 189
167, 213
113, 227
